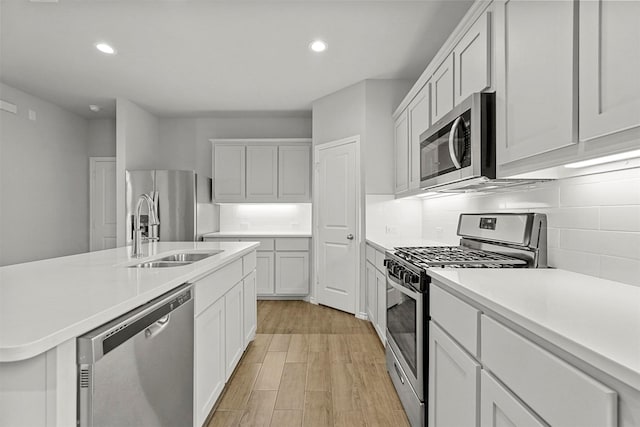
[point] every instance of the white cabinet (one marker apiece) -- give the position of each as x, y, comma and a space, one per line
292, 273
442, 99
294, 173
262, 172
401, 150
377, 293
419, 117
453, 382
229, 172
535, 87
372, 294
381, 288
265, 273
234, 330
498, 407
209, 366
609, 67
250, 310
471, 60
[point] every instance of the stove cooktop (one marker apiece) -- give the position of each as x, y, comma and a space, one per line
456, 257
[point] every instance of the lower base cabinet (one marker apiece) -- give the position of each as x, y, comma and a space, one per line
453, 382
292, 273
250, 311
498, 407
234, 331
378, 296
264, 273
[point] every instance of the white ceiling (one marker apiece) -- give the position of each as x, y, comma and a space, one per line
186, 57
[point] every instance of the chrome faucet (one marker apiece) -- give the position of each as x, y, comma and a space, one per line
137, 229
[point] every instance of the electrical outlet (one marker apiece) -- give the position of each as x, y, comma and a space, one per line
32, 115
391, 230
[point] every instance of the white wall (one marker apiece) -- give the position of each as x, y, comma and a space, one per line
340, 114
594, 221
266, 217
390, 217
102, 138
44, 181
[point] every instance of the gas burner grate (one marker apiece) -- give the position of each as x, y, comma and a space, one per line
456, 256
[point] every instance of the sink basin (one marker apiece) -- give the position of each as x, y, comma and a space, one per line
177, 260
189, 256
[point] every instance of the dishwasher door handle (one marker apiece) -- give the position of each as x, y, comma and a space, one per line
157, 327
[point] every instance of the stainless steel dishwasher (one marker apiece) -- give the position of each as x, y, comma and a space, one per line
137, 370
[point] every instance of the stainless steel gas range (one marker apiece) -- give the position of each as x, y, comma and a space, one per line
500, 240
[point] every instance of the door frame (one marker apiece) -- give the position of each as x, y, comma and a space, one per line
92, 181
354, 139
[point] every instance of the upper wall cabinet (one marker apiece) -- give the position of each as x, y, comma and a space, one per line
442, 99
401, 149
419, 115
535, 88
609, 67
262, 170
471, 60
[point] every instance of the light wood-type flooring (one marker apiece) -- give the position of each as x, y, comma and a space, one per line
310, 366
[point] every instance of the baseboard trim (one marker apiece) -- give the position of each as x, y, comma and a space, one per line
362, 316
313, 301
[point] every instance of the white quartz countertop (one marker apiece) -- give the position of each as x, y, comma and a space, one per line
45, 303
594, 319
388, 242
244, 234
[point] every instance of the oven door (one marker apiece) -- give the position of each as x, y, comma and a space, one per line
405, 334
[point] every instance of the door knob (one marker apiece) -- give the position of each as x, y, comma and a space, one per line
350, 236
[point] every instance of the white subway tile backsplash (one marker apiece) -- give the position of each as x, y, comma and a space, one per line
594, 220
620, 218
620, 269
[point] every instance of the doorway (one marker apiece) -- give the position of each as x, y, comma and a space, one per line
337, 223
102, 202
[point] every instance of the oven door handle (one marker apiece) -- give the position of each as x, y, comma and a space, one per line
408, 292
452, 148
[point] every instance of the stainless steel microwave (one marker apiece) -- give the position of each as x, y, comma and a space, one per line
459, 150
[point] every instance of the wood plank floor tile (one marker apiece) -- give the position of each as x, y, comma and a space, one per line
259, 408
280, 342
318, 342
298, 349
292, 385
257, 349
318, 373
344, 389
286, 418
271, 371
317, 409
349, 419
339, 348
237, 391
223, 418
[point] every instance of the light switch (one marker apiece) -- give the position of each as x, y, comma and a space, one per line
32, 115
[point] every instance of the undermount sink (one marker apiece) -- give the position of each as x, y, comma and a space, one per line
177, 260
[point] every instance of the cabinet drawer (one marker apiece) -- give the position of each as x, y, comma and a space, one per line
292, 244
210, 288
455, 316
265, 244
561, 394
248, 263
371, 254
380, 261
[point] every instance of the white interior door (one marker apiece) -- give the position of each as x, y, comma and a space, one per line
103, 203
337, 247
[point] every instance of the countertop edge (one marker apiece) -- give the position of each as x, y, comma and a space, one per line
256, 234
588, 356
35, 348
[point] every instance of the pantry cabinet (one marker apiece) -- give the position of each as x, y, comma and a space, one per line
535, 109
609, 67
262, 170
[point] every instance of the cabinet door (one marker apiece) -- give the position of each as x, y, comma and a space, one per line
372, 294
535, 88
292, 273
471, 60
609, 67
419, 116
229, 172
262, 172
264, 273
453, 382
401, 148
234, 331
381, 287
499, 408
294, 173
250, 308
442, 90
209, 367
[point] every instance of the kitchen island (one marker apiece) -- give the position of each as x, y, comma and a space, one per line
45, 305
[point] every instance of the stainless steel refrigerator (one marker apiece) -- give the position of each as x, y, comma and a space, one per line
175, 194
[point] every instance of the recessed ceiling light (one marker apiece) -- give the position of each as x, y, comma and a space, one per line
94, 108
318, 46
105, 48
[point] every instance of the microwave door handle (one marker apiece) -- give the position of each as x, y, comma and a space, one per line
452, 149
